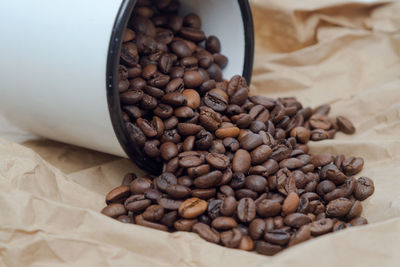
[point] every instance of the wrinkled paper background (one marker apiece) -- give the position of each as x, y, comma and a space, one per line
343, 53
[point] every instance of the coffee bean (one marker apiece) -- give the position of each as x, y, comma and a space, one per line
164, 180
246, 210
185, 224
153, 213
256, 183
256, 228
218, 161
174, 99
137, 203
296, 220
118, 194
338, 207
178, 191
205, 232
268, 208
300, 235
345, 125
169, 204
192, 98
192, 208
114, 210
241, 161
352, 165
358, 221
228, 206
363, 188
277, 237
321, 159
168, 150
290, 203
208, 180
266, 248
223, 223
209, 119
321, 227
140, 185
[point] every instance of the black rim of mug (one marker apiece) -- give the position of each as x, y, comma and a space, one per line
112, 69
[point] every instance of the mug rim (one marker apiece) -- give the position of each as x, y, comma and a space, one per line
112, 70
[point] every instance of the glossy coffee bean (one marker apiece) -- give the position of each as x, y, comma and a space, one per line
338, 207
118, 194
345, 125
363, 188
246, 210
192, 208
207, 233
114, 210
241, 161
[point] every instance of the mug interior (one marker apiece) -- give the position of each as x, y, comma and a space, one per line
231, 21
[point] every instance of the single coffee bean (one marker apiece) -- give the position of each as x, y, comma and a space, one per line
257, 228
363, 188
223, 223
204, 193
153, 213
178, 191
140, 185
125, 219
208, 180
192, 208
168, 150
321, 227
169, 204
174, 99
241, 161
213, 45
205, 232
266, 248
320, 121
345, 125
277, 237
322, 159
185, 224
256, 183
290, 203
300, 235
268, 208
338, 207
228, 206
114, 210
352, 165
164, 180
137, 203
218, 161
246, 210
231, 238
296, 220
355, 210
246, 243
192, 97
118, 194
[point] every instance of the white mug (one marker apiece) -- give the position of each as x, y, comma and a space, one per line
59, 65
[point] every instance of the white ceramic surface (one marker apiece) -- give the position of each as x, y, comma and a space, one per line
53, 64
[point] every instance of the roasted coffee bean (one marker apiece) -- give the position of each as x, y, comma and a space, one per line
140, 185
208, 180
358, 221
321, 159
256, 183
137, 203
218, 161
320, 121
178, 191
204, 140
246, 210
204, 193
352, 165
325, 187
174, 99
153, 213
209, 119
300, 235
277, 237
241, 161
338, 207
215, 72
198, 170
168, 150
228, 206
214, 208
192, 98
118, 194
285, 182
207, 233
231, 238
169, 204
345, 125
114, 210
363, 188
141, 221
164, 180
268, 208
192, 208
185, 224
290, 203
125, 219
257, 228
266, 248
321, 227
223, 223
192, 79
296, 220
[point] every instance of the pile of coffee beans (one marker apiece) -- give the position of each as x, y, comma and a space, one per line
236, 168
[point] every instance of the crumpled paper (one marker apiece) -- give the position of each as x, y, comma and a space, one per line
343, 53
